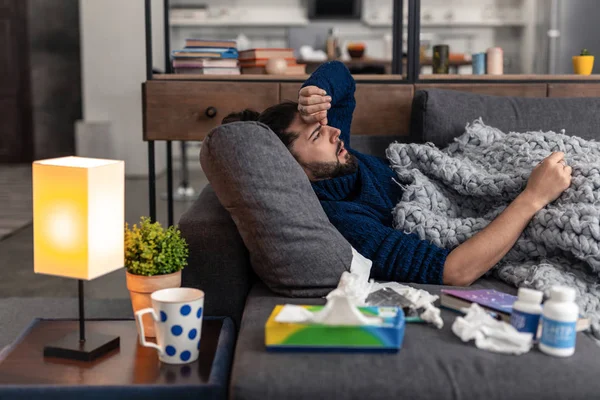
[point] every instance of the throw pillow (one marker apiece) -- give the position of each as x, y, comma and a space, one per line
293, 247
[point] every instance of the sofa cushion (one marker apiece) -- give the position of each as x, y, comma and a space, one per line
432, 364
440, 115
292, 245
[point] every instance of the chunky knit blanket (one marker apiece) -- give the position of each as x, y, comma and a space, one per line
451, 194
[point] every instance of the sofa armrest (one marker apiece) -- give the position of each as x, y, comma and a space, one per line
218, 261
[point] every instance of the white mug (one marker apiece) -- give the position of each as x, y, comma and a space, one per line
177, 314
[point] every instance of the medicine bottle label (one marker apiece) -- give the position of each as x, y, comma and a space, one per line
525, 322
558, 334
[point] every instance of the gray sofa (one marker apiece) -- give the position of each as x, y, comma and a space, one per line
433, 364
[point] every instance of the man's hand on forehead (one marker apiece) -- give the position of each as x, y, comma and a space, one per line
313, 103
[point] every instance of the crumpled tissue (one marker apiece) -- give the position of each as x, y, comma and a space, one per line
356, 286
491, 334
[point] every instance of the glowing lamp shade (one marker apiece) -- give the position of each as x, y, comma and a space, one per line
78, 216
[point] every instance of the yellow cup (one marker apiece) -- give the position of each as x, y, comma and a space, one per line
583, 65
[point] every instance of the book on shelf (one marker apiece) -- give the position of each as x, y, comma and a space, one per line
497, 303
210, 43
208, 71
297, 69
205, 52
205, 62
188, 5
266, 53
261, 62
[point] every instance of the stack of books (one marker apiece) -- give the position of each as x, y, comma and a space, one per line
206, 57
254, 61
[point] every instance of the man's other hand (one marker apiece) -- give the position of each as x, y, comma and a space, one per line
549, 179
313, 104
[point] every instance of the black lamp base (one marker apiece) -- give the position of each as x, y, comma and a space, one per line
94, 346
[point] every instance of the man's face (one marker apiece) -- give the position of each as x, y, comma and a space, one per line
320, 151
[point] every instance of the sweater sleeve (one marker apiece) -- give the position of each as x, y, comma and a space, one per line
396, 256
337, 81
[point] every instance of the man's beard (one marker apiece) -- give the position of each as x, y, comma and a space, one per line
328, 170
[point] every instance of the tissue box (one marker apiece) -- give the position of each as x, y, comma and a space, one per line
384, 337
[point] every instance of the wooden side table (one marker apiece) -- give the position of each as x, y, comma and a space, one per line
130, 372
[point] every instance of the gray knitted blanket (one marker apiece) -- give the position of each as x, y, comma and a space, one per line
451, 194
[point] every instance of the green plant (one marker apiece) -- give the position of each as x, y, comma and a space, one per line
585, 52
152, 250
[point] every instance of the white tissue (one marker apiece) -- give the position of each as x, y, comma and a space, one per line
291, 313
491, 334
356, 286
419, 298
432, 315
338, 311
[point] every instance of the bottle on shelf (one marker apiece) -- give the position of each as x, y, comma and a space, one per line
332, 47
495, 61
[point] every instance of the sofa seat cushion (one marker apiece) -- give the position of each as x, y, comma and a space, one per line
433, 364
292, 245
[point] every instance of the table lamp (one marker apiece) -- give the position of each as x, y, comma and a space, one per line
78, 232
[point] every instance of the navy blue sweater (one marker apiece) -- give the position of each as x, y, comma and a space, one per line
360, 205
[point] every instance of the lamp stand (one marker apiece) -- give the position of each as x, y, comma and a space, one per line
79, 347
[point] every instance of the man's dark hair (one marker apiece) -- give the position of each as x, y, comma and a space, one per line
278, 117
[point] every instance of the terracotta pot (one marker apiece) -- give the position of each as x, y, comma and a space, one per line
583, 65
141, 287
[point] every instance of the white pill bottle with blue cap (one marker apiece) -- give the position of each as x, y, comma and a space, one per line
559, 318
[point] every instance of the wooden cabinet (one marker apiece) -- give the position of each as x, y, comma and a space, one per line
382, 109
573, 90
289, 91
181, 108
188, 110
493, 89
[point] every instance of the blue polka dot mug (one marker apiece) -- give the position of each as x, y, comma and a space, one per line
177, 314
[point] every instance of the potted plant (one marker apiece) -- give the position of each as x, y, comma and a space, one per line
583, 63
154, 258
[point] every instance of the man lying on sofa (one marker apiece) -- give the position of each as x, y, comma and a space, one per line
357, 191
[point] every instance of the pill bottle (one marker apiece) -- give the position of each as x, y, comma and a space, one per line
526, 311
559, 318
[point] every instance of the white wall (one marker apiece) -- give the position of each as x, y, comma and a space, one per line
113, 61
